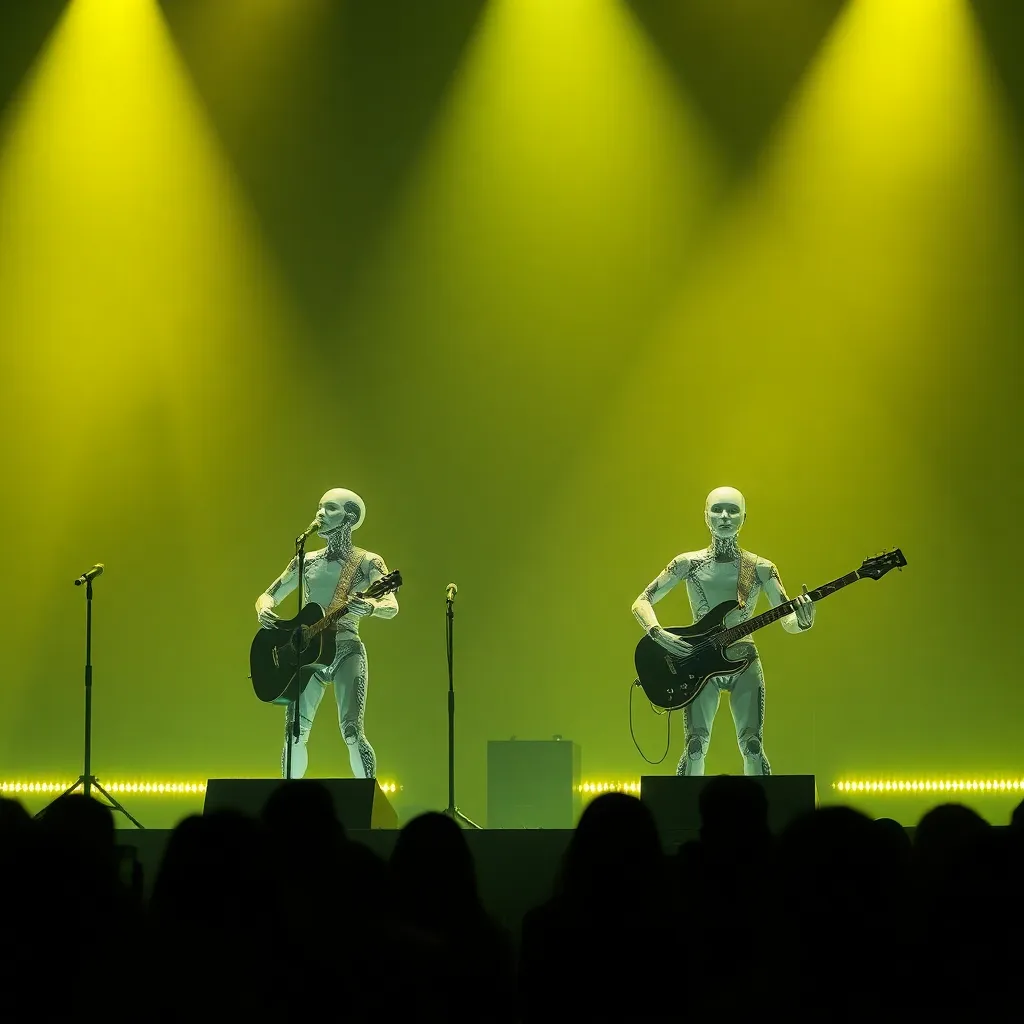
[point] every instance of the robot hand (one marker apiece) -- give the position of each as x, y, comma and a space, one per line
804, 609
359, 606
675, 645
265, 611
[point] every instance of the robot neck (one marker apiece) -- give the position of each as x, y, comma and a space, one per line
724, 549
339, 544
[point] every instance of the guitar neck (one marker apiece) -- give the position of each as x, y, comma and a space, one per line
319, 627
734, 633
382, 587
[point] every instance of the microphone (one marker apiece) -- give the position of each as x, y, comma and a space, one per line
96, 570
312, 528
450, 591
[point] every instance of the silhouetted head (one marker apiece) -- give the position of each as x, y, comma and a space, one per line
947, 834
837, 874
17, 835
835, 844
733, 810
303, 809
433, 868
216, 871
83, 822
1017, 818
13, 817
615, 848
895, 838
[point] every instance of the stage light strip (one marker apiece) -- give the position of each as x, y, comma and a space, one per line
891, 787
594, 788
147, 788
911, 787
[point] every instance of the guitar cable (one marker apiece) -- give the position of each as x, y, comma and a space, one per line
668, 730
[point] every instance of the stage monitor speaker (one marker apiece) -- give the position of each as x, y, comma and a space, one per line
674, 800
358, 803
533, 784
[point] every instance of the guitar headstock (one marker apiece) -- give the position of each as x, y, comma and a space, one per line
385, 585
878, 565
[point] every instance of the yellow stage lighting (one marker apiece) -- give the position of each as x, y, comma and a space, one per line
989, 786
157, 788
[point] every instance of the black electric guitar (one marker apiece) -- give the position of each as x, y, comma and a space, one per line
282, 659
671, 683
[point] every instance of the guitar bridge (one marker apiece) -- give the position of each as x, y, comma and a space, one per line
671, 664
273, 654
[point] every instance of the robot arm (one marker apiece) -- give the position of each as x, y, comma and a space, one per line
385, 607
280, 588
776, 594
643, 606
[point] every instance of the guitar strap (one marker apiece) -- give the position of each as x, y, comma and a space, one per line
748, 565
348, 573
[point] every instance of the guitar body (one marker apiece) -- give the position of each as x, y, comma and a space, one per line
279, 674
280, 669
673, 683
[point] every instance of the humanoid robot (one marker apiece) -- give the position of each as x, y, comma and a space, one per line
712, 576
334, 572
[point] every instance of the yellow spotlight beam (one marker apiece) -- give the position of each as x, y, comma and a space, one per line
145, 331
559, 185
135, 287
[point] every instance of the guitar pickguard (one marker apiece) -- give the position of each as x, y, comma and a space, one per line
670, 682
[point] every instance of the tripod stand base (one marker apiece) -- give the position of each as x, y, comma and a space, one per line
460, 819
93, 784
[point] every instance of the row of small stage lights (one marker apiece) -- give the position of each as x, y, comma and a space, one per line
894, 787
146, 788
594, 788
931, 786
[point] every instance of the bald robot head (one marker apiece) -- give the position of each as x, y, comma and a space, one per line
725, 511
338, 507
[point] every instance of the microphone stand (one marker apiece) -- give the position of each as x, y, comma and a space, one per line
451, 810
295, 729
87, 780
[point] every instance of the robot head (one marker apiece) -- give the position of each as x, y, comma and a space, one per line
725, 511
340, 508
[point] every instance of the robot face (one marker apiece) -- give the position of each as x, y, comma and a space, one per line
338, 508
725, 511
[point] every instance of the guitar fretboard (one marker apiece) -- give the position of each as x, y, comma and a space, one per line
319, 627
385, 585
734, 633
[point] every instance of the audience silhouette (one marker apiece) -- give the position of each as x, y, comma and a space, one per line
839, 917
